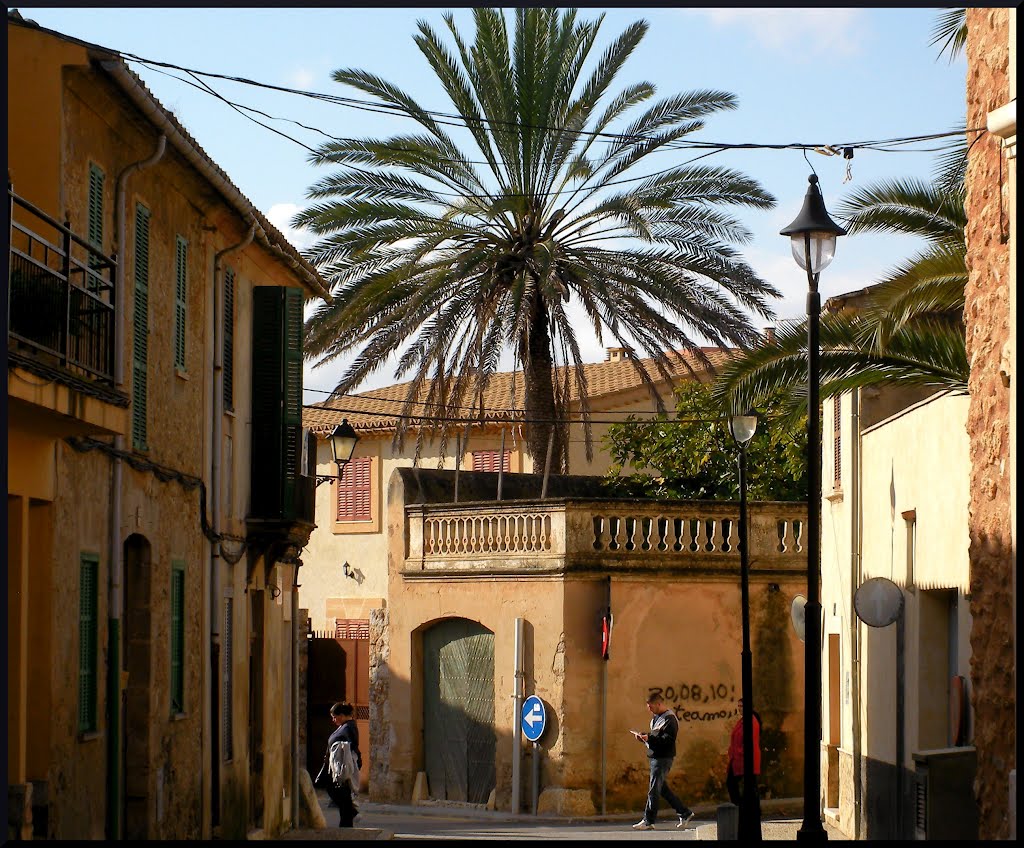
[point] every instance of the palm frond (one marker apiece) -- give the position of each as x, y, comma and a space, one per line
950, 33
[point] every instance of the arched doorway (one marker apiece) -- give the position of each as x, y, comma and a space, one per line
458, 710
138, 650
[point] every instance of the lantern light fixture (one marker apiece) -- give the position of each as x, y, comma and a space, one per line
343, 445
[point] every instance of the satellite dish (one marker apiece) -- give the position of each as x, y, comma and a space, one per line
878, 602
799, 615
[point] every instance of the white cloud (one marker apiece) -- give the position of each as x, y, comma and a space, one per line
809, 31
280, 215
301, 78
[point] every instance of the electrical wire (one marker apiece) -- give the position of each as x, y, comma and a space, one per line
518, 417
454, 119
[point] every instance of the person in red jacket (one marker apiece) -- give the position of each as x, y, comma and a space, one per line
734, 773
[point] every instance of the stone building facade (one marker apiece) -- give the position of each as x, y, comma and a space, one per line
151, 675
990, 318
444, 675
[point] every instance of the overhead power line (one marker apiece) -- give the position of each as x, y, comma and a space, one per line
710, 147
454, 119
515, 418
450, 119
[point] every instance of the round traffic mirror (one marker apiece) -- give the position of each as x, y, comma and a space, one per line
878, 602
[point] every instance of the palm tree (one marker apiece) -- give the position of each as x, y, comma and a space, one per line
908, 328
453, 257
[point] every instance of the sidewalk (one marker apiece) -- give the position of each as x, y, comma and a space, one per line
780, 819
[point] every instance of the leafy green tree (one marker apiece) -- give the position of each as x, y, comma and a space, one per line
694, 457
452, 255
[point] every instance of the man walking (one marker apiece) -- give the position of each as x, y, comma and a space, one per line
661, 750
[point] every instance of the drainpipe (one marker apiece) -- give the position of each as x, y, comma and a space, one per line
856, 510
114, 733
296, 765
215, 505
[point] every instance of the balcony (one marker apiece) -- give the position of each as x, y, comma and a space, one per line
620, 536
60, 297
60, 324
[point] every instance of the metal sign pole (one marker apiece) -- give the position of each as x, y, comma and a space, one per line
517, 737
536, 775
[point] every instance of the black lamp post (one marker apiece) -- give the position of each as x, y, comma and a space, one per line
343, 445
813, 241
742, 428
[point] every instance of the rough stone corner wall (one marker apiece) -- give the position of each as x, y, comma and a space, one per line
987, 312
382, 786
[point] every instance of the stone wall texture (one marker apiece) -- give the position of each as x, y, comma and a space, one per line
987, 313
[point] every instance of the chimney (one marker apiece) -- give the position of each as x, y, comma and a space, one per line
615, 354
769, 335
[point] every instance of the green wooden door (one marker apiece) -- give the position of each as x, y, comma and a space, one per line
458, 706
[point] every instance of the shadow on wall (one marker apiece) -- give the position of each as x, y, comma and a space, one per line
464, 756
774, 693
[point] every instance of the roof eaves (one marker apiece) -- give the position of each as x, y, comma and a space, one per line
266, 233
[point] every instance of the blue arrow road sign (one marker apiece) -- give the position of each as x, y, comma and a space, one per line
533, 718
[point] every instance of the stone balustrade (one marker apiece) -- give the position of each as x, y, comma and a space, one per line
556, 535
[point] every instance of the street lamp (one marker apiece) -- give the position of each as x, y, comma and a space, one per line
343, 444
742, 428
813, 241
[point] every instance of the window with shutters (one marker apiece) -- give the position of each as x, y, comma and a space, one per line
228, 370
96, 180
140, 330
487, 460
177, 637
180, 301
355, 491
277, 492
227, 683
88, 632
837, 476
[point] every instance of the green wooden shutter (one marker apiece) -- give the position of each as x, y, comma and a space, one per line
267, 423
227, 695
177, 636
276, 400
88, 631
292, 391
180, 301
96, 181
95, 223
140, 329
229, 339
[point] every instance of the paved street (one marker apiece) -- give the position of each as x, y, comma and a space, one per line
781, 820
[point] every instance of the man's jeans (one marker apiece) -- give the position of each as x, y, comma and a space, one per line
658, 787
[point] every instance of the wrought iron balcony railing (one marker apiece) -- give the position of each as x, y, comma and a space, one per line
60, 295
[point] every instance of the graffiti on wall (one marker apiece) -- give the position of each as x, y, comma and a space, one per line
697, 702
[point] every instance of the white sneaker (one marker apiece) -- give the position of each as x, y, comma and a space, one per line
685, 820
643, 825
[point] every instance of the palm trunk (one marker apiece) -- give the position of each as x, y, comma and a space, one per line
540, 393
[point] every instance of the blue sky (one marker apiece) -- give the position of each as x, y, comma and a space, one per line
800, 75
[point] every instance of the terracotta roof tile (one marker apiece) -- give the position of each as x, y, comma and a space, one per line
377, 410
